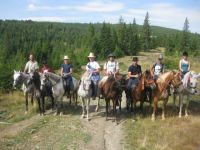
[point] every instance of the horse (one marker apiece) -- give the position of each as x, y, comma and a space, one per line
139, 93
111, 90
121, 78
46, 91
30, 85
187, 89
161, 93
85, 93
58, 89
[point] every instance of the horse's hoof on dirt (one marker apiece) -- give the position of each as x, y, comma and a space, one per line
186, 116
153, 119
61, 113
55, 114
82, 116
26, 112
163, 119
179, 116
97, 109
88, 119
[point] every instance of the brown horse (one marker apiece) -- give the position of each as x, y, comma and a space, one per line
111, 90
161, 93
138, 94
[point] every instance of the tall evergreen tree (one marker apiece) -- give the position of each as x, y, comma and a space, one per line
185, 42
146, 33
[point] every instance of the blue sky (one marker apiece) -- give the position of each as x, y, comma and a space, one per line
166, 13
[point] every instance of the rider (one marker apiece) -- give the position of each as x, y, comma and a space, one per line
31, 65
94, 68
45, 68
158, 68
134, 73
184, 64
111, 67
66, 72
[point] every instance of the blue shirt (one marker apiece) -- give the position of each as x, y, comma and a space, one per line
135, 70
66, 68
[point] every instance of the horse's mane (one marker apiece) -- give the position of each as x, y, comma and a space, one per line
53, 76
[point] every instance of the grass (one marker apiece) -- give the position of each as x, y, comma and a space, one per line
12, 108
49, 132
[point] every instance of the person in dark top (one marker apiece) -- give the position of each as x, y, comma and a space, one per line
134, 73
66, 73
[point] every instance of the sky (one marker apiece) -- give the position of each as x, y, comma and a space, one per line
165, 13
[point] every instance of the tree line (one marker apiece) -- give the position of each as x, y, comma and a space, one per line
50, 41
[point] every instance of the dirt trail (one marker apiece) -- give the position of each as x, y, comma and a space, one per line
106, 135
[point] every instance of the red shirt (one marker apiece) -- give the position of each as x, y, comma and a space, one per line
46, 68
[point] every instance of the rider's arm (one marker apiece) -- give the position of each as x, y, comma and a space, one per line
188, 66
26, 67
180, 66
61, 71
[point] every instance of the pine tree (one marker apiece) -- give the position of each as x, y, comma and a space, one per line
146, 33
185, 42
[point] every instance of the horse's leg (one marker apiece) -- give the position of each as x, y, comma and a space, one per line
187, 105
163, 108
32, 102
52, 101
88, 108
114, 109
39, 105
107, 101
155, 103
26, 100
43, 104
181, 105
61, 105
83, 108
97, 107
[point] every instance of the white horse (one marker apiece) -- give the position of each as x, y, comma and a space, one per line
28, 87
85, 92
186, 89
58, 88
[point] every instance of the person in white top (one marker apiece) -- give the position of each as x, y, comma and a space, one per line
31, 65
111, 66
93, 67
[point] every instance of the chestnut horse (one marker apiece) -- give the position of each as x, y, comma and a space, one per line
111, 90
138, 94
161, 93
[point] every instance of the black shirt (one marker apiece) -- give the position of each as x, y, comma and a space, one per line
135, 70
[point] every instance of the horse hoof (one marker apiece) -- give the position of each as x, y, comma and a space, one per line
97, 109
82, 116
88, 119
186, 115
61, 113
163, 119
55, 114
153, 119
179, 116
26, 112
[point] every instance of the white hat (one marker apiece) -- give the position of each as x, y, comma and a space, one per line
91, 54
66, 57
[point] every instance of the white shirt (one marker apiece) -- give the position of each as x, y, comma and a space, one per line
92, 66
158, 69
111, 66
31, 66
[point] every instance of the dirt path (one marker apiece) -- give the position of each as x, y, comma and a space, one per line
106, 135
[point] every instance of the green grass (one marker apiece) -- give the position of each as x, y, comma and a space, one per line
49, 132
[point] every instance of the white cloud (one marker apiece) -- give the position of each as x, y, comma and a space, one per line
95, 6
99, 6
165, 14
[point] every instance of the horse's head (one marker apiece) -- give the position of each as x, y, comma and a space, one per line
190, 82
16, 78
43, 80
86, 82
176, 79
148, 79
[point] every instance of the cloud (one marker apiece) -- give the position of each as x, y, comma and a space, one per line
164, 14
94, 6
